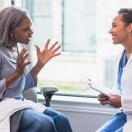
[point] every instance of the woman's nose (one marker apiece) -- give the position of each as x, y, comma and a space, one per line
31, 32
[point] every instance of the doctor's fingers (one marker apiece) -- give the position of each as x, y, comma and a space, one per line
104, 102
102, 98
101, 95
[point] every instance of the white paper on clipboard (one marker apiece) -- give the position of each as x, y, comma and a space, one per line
100, 89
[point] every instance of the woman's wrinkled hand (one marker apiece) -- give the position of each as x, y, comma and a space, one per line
48, 53
22, 62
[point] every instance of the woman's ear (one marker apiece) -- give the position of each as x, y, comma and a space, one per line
11, 34
130, 27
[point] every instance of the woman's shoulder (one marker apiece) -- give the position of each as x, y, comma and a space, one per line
4, 53
2, 49
7, 55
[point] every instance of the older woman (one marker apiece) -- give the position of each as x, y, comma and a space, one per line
15, 27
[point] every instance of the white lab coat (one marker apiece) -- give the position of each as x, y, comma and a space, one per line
126, 86
128, 126
126, 93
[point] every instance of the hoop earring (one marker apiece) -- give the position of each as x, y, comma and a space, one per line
11, 39
11, 35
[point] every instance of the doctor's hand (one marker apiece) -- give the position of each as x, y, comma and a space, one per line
102, 99
47, 53
113, 100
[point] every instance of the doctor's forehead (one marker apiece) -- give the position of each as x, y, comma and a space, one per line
117, 19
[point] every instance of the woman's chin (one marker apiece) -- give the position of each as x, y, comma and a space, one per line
25, 43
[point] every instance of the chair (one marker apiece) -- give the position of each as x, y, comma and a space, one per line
48, 92
31, 94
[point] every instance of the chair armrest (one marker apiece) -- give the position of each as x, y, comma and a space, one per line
48, 92
31, 94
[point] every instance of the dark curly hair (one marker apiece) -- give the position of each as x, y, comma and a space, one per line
126, 15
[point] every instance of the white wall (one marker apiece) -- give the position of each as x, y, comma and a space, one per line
86, 121
4, 3
84, 114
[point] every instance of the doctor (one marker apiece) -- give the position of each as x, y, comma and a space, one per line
121, 32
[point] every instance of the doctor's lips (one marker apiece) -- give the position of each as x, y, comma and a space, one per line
113, 36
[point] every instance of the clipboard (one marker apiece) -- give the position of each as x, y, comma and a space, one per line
104, 93
98, 90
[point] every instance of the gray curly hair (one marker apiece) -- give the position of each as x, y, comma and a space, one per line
10, 17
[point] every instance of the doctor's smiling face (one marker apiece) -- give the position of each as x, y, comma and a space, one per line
121, 29
118, 30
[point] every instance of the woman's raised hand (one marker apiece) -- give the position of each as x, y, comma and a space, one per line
48, 53
22, 61
20, 66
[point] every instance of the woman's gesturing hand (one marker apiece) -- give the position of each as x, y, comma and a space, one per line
22, 62
48, 53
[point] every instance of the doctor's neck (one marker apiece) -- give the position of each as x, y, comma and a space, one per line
128, 45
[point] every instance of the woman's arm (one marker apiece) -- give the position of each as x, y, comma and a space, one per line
21, 64
11, 78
